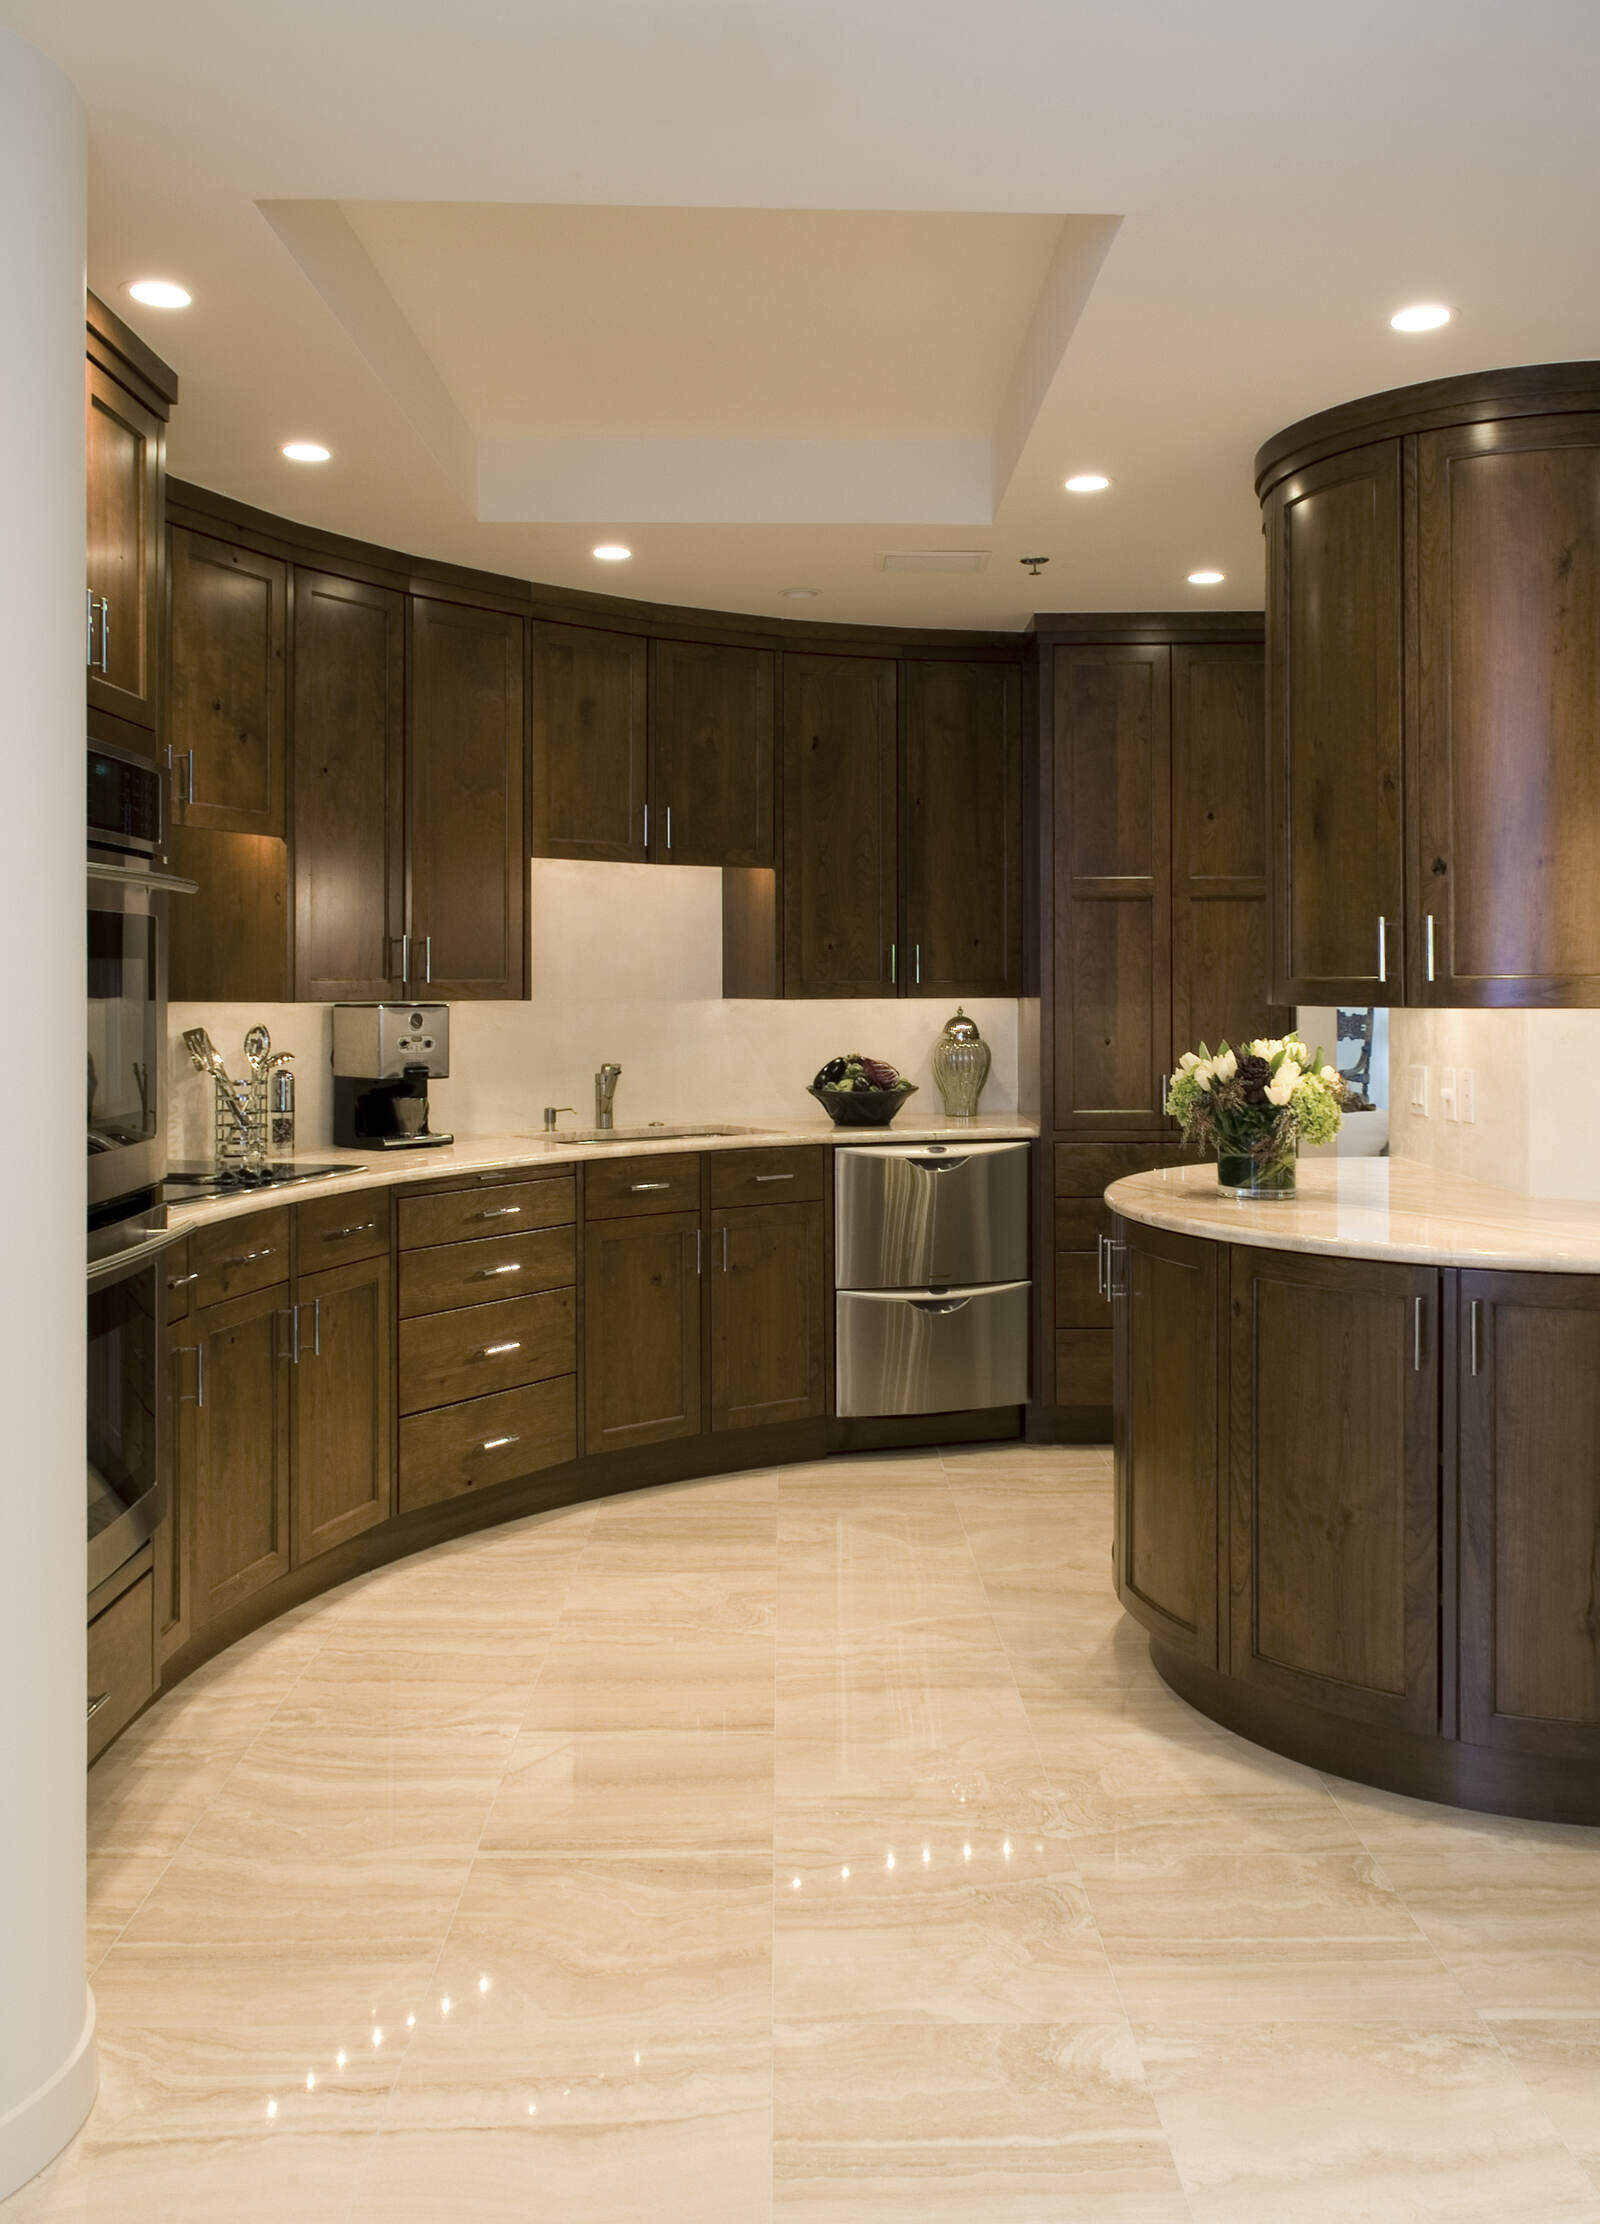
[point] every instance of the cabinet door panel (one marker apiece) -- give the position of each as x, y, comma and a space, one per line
122, 457
466, 852
961, 844
1508, 680
229, 635
588, 743
241, 1497
180, 1383
1530, 1514
710, 754
1169, 1321
769, 1299
229, 942
1334, 1533
641, 1331
839, 826
1113, 897
1334, 628
343, 1393
349, 733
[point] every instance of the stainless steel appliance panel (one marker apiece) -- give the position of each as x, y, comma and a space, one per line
385, 1042
913, 1214
126, 1471
127, 1028
927, 1351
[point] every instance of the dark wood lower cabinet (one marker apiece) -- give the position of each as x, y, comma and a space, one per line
769, 1299
239, 1485
1334, 1448
342, 1447
1529, 1436
178, 1388
1169, 1302
642, 1329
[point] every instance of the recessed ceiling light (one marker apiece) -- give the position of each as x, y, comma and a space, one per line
160, 293
613, 552
800, 594
305, 451
1088, 482
1422, 316
1205, 579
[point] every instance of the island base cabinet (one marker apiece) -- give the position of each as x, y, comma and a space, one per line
342, 1349
239, 1486
1168, 1307
1529, 1466
769, 1298
642, 1329
1334, 1455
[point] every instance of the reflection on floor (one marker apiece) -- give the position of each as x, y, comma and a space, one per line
816, 1844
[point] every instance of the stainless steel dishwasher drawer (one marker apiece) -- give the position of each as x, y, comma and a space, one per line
915, 1215
932, 1351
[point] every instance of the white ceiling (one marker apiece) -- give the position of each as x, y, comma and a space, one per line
1283, 179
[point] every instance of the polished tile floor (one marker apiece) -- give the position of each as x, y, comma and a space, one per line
815, 1844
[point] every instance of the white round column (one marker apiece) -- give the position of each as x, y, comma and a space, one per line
47, 2058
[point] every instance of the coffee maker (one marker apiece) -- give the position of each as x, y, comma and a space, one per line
384, 1056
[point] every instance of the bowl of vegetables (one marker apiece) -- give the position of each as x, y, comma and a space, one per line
856, 1091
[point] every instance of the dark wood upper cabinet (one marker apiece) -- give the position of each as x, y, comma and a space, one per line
769, 1297
589, 744
641, 1331
1334, 624
1506, 880
840, 869
349, 732
1529, 1467
124, 443
239, 1488
1169, 1301
465, 811
961, 829
1334, 1522
228, 731
710, 754
1113, 891
1221, 923
342, 1404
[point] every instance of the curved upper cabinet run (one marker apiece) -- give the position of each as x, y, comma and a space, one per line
1433, 693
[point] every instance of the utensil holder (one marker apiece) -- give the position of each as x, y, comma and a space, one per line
239, 1140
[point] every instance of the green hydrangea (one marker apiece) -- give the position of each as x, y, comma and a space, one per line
1316, 1111
1183, 1094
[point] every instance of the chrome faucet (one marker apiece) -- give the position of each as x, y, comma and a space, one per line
605, 1088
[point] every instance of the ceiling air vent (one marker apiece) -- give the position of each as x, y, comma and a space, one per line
933, 559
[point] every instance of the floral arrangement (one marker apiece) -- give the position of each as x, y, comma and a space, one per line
1252, 1106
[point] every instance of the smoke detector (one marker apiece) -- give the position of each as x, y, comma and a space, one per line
1035, 564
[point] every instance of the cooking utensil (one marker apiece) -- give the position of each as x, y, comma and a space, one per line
208, 1059
257, 1047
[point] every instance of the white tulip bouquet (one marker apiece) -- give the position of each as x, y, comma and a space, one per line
1252, 1106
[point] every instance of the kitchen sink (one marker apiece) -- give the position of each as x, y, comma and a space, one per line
657, 1132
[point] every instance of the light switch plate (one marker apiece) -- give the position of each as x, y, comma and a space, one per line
1447, 1093
1467, 1096
1417, 1089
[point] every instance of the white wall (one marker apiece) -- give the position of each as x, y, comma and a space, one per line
627, 965
1364, 1134
47, 2063
1538, 1114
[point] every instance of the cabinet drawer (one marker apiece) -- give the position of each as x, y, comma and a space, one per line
333, 1231
235, 1257
772, 1177
616, 1186
506, 1208
1083, 1366
180, 1281
446, 1356
457, 1448
122, 1662
1086, 1169
1080, 1222
1079, 1302
452, 1274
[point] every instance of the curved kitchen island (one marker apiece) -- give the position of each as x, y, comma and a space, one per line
1358, 1473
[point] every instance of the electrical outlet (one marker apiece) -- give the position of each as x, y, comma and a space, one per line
1467, 1096
1447, 1093
1417, 1090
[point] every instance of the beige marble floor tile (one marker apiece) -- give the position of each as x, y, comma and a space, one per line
705, 2171
225, 1891
1297, 2123
672, 1673
271, 2175
861, 1567
1041, 1466
609, 1792
157, 1781
1558, 2058
118, 1884
693, 1597
908, 1922
973, 2121
356, 1685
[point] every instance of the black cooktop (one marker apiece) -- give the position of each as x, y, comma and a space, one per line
198, 1179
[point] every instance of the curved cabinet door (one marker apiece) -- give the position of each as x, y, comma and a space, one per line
1168, 1310
1334, 1513
841, 873
240, 1507
961, 829
768, 1270
342, 1405
1508, 701
1529, 1461
1334, 732
710, 754
641, 1330
123, 450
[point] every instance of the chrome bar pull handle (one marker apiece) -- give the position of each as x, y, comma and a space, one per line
499, 1212
405, 959
774, 1177
488, 1273
669, 826
498, 1443
356, 1228
1100, 1265
105, 649
427, 959
96, 1703
88, 652
916, 964
1383, 949
647, 826
1430, 945
637, 1189
499, 1351
893, 976
699, 1262
292, 1316
181, 1281
724, 1248
199, 1375
1473, 1355
316, 1328
1417, 1304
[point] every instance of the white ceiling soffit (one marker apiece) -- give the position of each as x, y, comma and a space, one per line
570, 365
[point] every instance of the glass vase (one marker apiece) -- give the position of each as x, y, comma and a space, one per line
1259, 1175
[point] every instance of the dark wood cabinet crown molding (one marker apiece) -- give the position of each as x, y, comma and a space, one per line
117, 348
1146, 628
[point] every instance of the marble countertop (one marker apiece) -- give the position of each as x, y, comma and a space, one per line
492, 1154
1375, 1208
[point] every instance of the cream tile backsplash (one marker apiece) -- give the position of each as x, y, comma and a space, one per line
1538, 1117
627, 965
